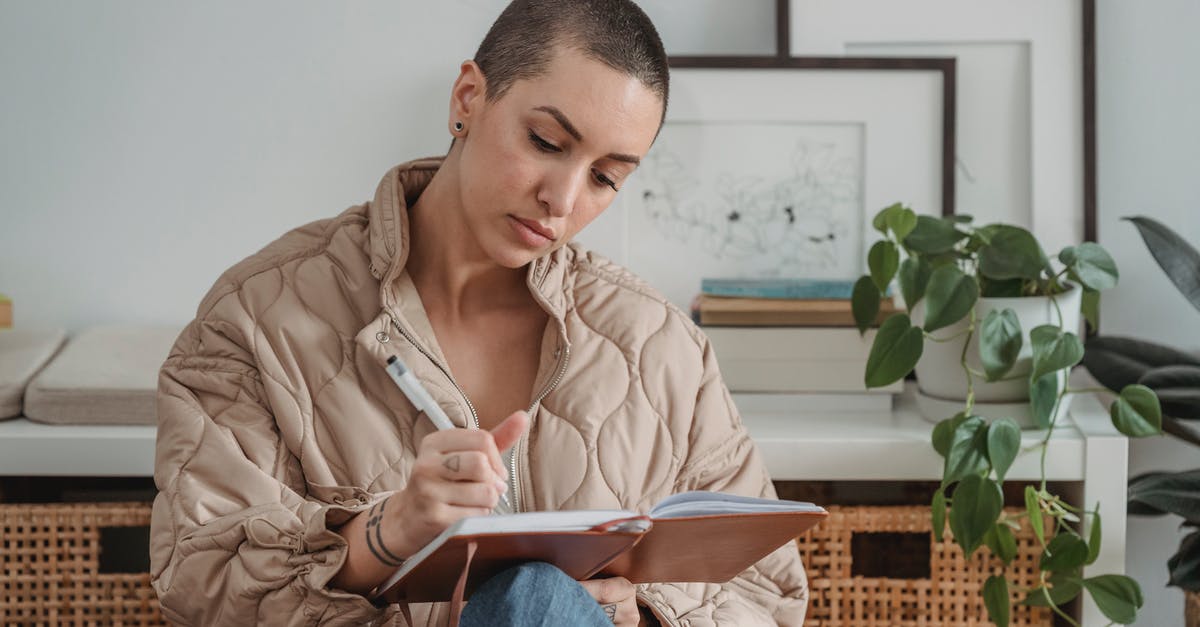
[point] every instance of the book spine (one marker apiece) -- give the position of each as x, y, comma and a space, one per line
777, 288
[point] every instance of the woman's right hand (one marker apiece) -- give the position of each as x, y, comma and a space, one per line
457, 473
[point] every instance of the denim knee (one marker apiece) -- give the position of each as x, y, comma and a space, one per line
532, 594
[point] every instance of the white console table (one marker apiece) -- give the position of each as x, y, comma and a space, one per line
798, 446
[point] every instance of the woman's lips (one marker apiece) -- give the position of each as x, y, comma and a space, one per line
531, 232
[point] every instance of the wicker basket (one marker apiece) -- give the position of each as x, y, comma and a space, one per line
50, 567
948, 595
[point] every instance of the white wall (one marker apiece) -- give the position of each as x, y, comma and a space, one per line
1148, 83
146, 146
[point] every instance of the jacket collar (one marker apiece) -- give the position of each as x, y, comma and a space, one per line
388, 243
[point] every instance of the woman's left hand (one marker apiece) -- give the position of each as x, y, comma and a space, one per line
617, 597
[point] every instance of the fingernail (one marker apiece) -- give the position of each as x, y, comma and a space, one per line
502, 486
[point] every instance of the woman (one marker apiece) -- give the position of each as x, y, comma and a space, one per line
294, 475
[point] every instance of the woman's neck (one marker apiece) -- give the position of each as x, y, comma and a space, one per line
448, 267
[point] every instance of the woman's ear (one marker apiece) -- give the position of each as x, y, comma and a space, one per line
466, 97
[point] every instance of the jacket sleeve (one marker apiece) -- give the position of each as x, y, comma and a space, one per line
235, 538
723, 458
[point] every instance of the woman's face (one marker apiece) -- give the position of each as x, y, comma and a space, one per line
545, 159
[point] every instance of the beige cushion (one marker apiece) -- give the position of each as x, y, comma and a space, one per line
104, 375
22, 353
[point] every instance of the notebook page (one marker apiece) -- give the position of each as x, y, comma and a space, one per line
702, 503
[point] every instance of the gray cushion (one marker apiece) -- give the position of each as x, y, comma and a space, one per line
104, 375
22, 353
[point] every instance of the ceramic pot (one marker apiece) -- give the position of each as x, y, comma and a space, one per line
942, 383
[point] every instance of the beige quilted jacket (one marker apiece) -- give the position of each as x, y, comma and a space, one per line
277, 421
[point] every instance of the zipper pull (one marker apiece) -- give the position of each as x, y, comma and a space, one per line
382, 336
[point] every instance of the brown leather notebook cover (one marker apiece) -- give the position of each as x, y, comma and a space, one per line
578, 553
709, 549
712, 549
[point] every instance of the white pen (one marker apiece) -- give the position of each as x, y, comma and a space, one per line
420, 398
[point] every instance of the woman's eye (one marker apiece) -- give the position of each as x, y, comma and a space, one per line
604, 180
542, 144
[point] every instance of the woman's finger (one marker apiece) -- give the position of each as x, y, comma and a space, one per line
455, 440
467, 466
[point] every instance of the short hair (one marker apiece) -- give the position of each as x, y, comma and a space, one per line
522, 42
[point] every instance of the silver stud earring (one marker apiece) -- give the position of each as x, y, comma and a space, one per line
458, 126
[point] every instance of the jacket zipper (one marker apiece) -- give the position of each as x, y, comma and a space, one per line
516, 482
411, 340
512, 469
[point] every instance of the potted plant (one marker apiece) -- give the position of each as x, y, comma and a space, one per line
1175, 377
960, 283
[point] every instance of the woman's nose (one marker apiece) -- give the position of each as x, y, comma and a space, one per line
560, 192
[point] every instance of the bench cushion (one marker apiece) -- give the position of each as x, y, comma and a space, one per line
104, 375
23, 352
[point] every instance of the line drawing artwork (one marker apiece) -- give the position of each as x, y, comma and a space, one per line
774, 200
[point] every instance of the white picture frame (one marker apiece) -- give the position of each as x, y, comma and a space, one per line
1020, 151
897, 115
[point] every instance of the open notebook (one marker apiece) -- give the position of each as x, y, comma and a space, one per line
693, 536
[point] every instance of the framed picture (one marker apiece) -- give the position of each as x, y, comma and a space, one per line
773, 167
1026, 147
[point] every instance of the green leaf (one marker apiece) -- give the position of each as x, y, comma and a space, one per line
1117, 596
933, 236
1174, 255
1185, 564
1033, 508
938, 510
895, 352
1008, 288
883, 260
1167, 493
1174, 376
1053, 349
1136, 413
949, 297
864, 303
1177, 388
1013, 253
999, 539
995, 598
943, 433
914, 277
902, 221
975, 506
880, 219
999, 342
1043, 395
1094, 267
1094, 536
1089, 306
1119, 361
968, 451
1007, 544
1066, 551
1003, 442
1061, 591
1067, 256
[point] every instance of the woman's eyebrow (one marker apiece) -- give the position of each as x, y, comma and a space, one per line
562, 120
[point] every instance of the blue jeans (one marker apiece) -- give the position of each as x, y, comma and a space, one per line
532, 595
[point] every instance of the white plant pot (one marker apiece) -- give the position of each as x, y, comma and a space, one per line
942, 383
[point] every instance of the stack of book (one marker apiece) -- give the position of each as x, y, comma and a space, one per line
791, 336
